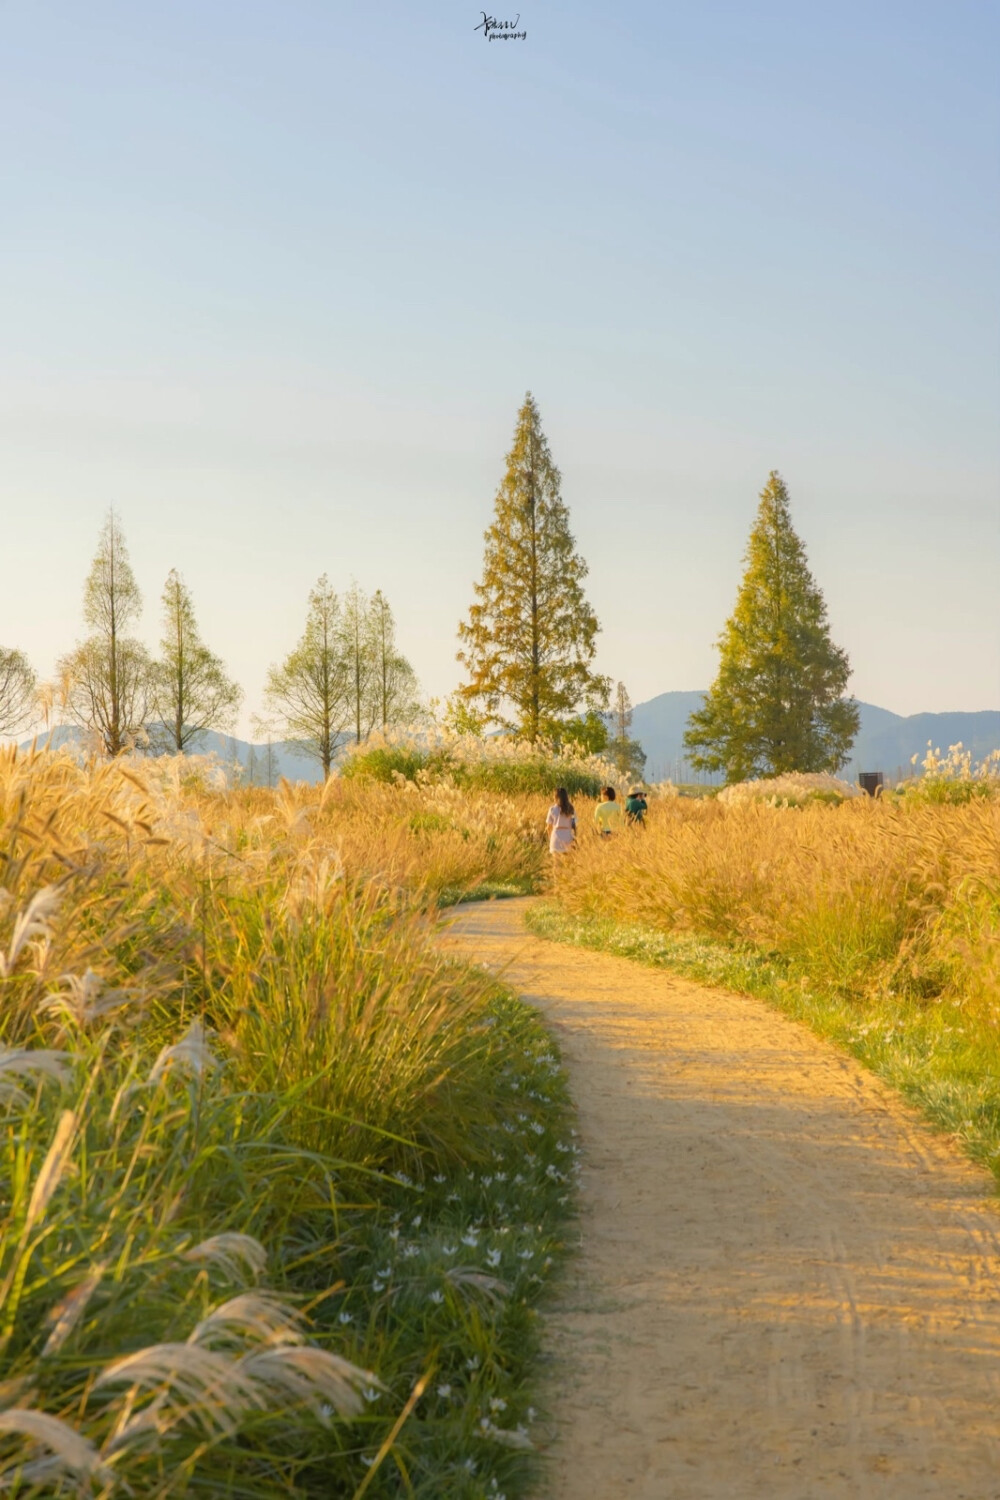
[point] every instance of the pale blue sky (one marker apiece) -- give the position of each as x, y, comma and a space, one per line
274, 279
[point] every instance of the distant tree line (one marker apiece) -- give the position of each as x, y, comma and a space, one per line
779, 702
345, 677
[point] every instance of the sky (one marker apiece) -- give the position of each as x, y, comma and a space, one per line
275, 277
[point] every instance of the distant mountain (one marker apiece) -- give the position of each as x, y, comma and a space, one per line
885, 741
257, 761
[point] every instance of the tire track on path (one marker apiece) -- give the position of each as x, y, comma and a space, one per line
787, 1284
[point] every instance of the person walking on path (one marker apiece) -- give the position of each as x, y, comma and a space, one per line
608, 813
561, 822
635, 807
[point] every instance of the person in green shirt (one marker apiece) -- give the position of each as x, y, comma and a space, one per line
608, 813
635, 807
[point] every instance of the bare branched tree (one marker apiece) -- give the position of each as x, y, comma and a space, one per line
109, 674
18, 691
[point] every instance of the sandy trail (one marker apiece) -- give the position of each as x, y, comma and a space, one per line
787, 1285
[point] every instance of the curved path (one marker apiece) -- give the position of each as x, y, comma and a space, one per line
787, 1286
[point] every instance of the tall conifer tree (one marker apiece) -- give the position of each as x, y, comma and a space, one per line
627, 754
778, 703
529, 642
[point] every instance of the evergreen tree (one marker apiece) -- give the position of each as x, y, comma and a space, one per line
312, 691
18, 691
778, 701
109, 674
529, 642
394, 683
627, 754
191, 690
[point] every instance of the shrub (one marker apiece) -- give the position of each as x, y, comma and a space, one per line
498, 764
953, 778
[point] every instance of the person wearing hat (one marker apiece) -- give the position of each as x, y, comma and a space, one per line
635, 807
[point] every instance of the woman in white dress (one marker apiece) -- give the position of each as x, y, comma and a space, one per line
561, 823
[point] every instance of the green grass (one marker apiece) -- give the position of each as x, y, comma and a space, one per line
489, 890
435, 1271
936, 1055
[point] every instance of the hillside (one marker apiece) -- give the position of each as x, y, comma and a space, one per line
258, 765
885, 742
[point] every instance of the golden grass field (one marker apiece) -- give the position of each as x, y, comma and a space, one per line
283, 1182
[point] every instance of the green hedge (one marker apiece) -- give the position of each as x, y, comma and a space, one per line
382, 763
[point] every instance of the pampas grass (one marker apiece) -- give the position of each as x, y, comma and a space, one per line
231, 1060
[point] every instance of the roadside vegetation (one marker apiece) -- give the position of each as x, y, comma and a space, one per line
877, 921
282, 1185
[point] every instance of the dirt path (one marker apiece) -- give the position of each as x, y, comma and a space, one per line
787, 1286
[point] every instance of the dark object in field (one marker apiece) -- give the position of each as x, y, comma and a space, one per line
871, 782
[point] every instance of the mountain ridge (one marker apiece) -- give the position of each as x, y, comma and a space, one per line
885, 741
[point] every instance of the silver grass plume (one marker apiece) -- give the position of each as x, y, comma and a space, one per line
190, 1055
258, 1317
85, 998
192, 1384
234, 1254
52, 1169
33, 922
300, 1374
66, 1314
468, 1280
20, 1062
70, 1454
